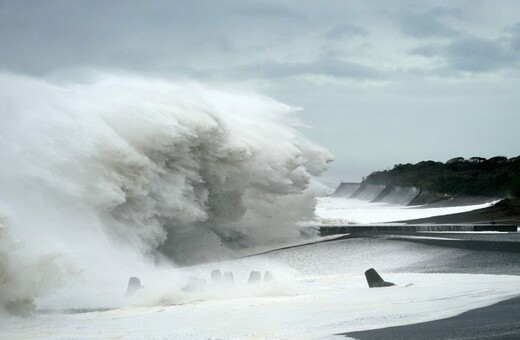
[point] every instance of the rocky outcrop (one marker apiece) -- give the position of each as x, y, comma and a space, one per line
374, 280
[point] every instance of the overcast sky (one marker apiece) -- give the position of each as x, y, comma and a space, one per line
379, 82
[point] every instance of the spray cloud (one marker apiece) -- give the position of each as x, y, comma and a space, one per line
125, 167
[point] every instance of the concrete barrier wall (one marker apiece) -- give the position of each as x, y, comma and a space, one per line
368, 192
346, 189
398, 195
378, 193
413, 228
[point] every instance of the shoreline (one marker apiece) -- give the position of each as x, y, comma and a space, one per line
498, 321
338, 284
488, 253
506, 211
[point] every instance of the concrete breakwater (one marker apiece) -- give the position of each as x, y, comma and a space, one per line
378, 193
412, 228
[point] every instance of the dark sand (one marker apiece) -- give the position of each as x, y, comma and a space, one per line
499, 321
496, 253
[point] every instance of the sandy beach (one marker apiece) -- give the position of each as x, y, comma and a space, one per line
499, 321
485, 253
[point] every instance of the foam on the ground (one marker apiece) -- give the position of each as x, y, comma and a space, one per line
321, 290
320, 306
338, 210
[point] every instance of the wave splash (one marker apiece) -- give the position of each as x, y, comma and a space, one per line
126, 166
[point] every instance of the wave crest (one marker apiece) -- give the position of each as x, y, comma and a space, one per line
192, 172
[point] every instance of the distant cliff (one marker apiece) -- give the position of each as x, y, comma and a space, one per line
476, 176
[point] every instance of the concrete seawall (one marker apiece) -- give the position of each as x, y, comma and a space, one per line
410, 228
369, 192
378, 193
398, 195
346, 189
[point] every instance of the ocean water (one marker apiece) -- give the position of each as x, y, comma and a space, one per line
319, 290
123, 176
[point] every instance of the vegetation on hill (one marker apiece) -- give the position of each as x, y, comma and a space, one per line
497, 176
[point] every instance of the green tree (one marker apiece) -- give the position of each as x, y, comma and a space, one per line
515, 188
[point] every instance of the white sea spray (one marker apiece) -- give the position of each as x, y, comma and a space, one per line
123, 173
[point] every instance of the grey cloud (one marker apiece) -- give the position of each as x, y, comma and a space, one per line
268, 10
331, 67
151, 36
428, 50
345, 29
428, 23
515, 37
36, 37
222, 43
473, 54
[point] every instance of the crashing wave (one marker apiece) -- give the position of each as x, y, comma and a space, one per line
139, 166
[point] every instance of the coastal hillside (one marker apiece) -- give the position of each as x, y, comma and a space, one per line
476, 176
